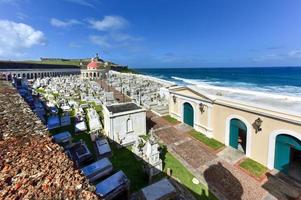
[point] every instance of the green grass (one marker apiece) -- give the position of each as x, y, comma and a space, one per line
145, 137
185, 177
129, 71
123, 159
82, 102
253, 167
87, 139
55, 62
170, 119
212, 143
41, 90
75, 137
56, 95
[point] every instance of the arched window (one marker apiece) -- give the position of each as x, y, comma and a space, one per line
129, 125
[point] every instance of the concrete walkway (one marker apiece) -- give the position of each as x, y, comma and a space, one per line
217, 170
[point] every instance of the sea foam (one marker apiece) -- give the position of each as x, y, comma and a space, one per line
288, 93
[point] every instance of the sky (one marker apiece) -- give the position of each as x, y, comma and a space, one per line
154, 33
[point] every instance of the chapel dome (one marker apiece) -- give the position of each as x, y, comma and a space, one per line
96, 63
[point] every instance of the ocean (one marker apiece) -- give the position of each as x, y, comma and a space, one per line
277, 81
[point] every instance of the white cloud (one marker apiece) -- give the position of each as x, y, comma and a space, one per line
295, 53
7, 1
291, 55
15, 38
82, 2
74, 45
60, 23
114, 35
100, 40
122, 37
109, 23
114, 40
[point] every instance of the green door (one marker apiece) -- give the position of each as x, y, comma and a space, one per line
236, 126
284, 144
188, 114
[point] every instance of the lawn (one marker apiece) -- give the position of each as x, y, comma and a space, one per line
170, 119
41, 90
86, 138
185, 177
75, 137
55, 62
123, 159
212, 143
253, 167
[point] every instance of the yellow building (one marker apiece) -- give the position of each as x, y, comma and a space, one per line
264, 130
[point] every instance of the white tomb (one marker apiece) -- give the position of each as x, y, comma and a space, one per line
93, 118
124, 122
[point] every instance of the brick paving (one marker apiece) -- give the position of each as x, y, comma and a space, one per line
169, 135
191, 152
231, 182
223, 179
118, 95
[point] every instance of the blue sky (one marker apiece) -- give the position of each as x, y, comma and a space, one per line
155, 33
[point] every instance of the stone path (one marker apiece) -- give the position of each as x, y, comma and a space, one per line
230, 155
117, 95
217, 170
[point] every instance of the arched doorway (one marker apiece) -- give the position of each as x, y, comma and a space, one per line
238, 135
188, 114
288, 155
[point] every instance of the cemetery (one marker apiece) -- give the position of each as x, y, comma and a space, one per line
108, 140
149, 92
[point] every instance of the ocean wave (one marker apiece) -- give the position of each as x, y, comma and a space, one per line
290, 93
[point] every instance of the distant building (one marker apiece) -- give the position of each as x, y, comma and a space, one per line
27, 70
94, 69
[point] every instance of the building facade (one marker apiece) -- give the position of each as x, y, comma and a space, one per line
270, 137
10, 70
94, 69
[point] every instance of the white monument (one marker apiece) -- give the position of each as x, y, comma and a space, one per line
93, 118
124, 122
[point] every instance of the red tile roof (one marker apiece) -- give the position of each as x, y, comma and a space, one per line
31, 165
